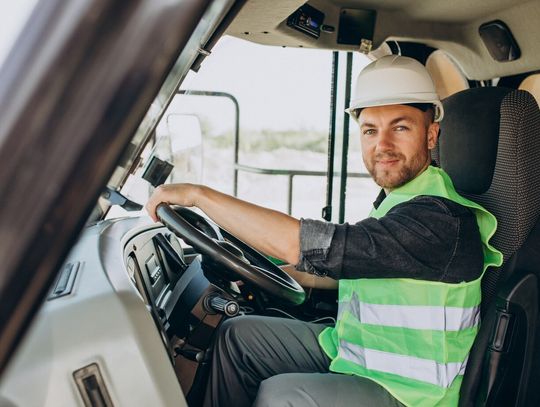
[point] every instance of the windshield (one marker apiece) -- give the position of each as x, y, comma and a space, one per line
253, 122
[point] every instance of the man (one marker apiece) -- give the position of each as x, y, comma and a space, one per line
409, 275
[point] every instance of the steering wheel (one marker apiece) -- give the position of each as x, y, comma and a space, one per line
238, 258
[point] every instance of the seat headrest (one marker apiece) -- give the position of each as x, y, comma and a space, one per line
469, 137
447, 77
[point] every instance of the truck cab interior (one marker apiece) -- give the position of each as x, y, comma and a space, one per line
102, 311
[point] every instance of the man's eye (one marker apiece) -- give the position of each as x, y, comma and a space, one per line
369, 132
401, 128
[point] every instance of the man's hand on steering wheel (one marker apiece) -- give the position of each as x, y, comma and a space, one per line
231, 254
179, 194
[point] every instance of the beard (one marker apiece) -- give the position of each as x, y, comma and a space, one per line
400, 173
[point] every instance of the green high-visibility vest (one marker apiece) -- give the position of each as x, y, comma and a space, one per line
413, 337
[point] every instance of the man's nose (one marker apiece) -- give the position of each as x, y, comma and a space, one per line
385, 141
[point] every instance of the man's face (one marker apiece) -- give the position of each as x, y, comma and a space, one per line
395, 141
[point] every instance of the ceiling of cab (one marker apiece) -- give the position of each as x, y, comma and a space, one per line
448, 25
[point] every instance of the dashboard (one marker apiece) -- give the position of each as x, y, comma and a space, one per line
170, 281
122, 325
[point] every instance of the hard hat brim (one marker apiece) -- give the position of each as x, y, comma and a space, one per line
362, 103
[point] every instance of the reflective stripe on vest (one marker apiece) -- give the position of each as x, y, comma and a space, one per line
425, 370
438, 318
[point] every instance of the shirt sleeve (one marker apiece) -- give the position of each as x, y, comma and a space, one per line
425, 238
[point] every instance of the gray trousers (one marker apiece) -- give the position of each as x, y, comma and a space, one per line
265, 361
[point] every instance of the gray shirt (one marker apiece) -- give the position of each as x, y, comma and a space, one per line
426, 238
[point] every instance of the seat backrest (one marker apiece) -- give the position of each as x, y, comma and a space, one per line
490, 146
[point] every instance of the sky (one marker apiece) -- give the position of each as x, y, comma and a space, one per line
276, 87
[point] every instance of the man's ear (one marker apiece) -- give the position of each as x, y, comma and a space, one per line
432, 135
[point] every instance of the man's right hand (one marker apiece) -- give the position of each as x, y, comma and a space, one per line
175, 194
269, 231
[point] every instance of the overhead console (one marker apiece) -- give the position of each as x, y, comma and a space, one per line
318, 24
308, 20
355, 26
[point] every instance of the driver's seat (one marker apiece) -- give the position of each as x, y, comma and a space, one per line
490, 146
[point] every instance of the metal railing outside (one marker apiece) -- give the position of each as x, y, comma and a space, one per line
290, 177
289, 173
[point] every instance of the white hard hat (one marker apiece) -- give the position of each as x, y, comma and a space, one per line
394, 80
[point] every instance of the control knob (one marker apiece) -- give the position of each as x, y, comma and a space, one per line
218, 304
